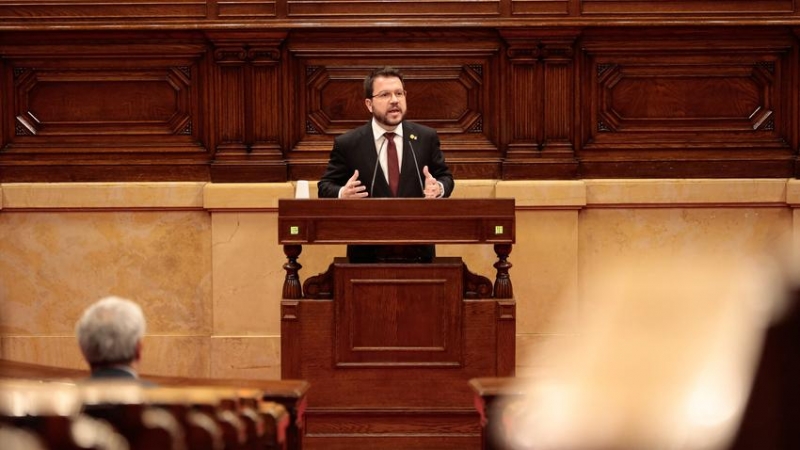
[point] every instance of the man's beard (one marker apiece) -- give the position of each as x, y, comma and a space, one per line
382, 118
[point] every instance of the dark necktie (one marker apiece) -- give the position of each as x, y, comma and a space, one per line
394, 166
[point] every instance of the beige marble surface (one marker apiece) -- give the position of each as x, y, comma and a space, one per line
182, 356
53, 264
248, 197
683, 192
257, 357
629, 237
248, 274
546, 194
58, 351
126, 196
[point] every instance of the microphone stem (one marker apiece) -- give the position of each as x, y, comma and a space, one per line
416, 165
375, 169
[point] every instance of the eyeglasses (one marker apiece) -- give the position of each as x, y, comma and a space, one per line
385, 96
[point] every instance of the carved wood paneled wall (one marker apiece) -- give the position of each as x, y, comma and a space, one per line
246, 91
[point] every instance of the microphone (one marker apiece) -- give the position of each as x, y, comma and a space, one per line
375, 170
411, 137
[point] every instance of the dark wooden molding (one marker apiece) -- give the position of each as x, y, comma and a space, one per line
334, 13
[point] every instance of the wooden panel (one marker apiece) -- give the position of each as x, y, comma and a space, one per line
244, 9
392, 430
396, 8
541, 72
399, 315
64, 104
670, 97
379, 388
539, 7
677, 97
93, 103
76, 9
685, 6
248, 118
421, 422
262, 103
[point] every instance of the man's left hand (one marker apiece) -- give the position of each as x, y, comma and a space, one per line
432, 187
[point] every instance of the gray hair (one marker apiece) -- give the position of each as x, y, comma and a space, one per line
109, 331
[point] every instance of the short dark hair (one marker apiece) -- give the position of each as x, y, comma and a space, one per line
385, 71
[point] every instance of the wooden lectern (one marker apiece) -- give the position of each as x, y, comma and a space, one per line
389, 348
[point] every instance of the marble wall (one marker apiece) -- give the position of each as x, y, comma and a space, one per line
204, 262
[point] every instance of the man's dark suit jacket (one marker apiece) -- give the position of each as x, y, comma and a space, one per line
111, 372
116, 373
355, 150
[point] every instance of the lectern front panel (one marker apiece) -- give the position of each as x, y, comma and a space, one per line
404, 314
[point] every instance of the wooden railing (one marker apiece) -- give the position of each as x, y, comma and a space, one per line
172, 412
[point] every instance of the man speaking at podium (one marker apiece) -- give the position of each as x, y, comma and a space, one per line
387, 157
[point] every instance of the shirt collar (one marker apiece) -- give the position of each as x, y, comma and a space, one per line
378, 131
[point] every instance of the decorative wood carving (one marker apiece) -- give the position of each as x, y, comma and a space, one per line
667, 7
541, 76
248, 82
502, 283
52, 102
255, 91
476, 286
668, 97
291, 284
319, 286
95, 106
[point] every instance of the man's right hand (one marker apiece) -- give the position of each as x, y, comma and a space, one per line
353, 188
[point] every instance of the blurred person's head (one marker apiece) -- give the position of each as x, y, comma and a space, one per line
110, 333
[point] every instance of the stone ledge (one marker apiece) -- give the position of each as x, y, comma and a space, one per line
128, 196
